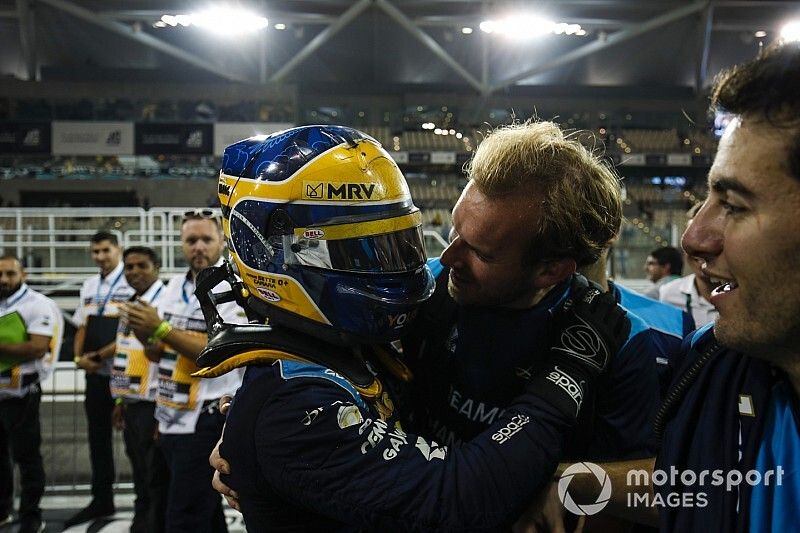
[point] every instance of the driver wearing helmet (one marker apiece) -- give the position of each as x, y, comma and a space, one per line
327, 259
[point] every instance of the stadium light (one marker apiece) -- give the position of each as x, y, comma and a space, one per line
791, 31
529, 26
219, 20
466, 30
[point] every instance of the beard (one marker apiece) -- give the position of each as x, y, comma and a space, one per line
7, 291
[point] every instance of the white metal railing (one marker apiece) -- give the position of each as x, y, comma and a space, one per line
54, 242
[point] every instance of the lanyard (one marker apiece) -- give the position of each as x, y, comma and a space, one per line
102, 307
10, 303
153, 299
183, 292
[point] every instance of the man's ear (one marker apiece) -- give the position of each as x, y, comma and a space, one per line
554, 272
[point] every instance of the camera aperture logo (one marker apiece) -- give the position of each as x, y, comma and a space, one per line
587, 509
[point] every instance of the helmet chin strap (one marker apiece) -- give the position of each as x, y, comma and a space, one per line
206, 280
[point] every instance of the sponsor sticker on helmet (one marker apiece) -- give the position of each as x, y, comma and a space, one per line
323, 190
270, 296
313, 234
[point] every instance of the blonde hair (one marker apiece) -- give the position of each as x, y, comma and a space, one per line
579, 195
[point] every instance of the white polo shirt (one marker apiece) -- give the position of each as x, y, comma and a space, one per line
682, 293
41, 316
134, 376
101, 295
180, 396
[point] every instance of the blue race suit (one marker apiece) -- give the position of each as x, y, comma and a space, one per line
309, 453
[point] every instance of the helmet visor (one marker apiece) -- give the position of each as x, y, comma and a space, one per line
399, 251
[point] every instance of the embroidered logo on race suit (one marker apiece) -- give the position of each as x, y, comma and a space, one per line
583, 342
431, 451
397, 438
473, 410
452, 340
524, 373
348, 415
568, 385
311, 416
512, 428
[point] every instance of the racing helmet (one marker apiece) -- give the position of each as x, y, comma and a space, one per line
323, 233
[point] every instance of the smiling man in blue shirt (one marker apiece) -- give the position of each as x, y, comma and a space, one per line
732, 411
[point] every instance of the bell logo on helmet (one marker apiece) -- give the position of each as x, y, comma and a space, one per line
313, 234
224, 189
320, 190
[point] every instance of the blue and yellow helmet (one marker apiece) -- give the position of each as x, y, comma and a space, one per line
324, 234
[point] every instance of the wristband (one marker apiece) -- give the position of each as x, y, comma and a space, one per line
160, 332
77, 359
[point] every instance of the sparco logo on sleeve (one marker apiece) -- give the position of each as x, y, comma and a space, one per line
511, 429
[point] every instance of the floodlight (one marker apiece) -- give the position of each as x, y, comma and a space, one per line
280, 26
791, 31
760, 33
466, 30
229, 21
220, 20
528, 26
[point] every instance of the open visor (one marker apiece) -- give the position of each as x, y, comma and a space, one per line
399, 251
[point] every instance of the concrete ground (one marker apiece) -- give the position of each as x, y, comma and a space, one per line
66, 461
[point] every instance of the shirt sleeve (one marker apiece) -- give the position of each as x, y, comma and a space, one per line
79, 316
320, 450
45, 321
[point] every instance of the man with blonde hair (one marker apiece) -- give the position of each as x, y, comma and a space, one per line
538, 206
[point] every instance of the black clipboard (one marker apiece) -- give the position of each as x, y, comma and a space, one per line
100, 331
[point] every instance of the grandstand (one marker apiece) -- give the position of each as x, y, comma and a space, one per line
112, 118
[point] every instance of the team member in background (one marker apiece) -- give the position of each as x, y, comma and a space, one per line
96, 318
134, 381
189, 422
662, 266
693, 292
31, 329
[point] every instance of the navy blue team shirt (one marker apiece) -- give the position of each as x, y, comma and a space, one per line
475, 360
738, 414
